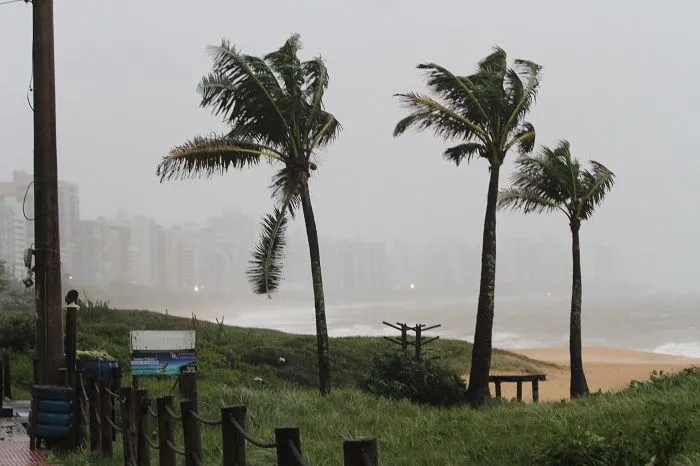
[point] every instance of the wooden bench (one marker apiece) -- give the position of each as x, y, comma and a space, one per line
519, 379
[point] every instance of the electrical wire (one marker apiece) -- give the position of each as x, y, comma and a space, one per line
7, 2
29, 91
24, 202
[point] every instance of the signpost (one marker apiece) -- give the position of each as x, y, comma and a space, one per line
163, 353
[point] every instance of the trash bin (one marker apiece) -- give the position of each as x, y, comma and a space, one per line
99, 370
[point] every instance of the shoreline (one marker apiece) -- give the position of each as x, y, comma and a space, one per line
607, 369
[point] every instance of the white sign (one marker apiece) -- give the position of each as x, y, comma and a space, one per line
162, 340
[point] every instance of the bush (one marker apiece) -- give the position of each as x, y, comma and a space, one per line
17, 330
429, 381
661, 441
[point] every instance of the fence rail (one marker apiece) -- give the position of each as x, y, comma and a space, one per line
139, 440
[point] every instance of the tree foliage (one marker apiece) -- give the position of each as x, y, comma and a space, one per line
274, 107
553, 180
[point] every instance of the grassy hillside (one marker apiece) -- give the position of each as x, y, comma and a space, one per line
234, 355
657, 419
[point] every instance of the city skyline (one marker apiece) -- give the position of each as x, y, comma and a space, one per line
211, 257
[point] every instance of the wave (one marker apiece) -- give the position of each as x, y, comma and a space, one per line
688, 349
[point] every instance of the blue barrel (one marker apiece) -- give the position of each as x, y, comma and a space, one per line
99, 370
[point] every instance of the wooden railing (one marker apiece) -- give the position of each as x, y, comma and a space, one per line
134, 425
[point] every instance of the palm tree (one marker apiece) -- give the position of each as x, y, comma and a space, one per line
551, 181
274, 107
486, 113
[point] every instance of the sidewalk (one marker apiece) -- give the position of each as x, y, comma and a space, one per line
14, 445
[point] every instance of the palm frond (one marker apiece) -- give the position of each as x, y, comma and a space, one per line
526, 200
522, 84
327, 129
524, 138
203, 157
316, 82
245, 91
286, 186
468, 150
445, 122
265, 271
459, 91
287, 65
495, 63
596, 184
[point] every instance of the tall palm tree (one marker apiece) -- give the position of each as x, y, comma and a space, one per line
274, 106
486, 113
549, 181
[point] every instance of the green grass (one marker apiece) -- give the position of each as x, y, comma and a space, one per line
235, 356
507, 433
640, 419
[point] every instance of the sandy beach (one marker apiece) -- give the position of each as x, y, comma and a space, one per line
606, 369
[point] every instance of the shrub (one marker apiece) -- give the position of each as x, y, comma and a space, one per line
657, 446
429, 381
17, 330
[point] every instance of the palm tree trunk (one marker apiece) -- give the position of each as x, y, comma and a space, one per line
579, 386
478, 390
324, 364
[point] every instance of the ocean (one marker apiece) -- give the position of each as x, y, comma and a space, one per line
661, 324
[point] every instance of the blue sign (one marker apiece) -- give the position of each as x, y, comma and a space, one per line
163, 362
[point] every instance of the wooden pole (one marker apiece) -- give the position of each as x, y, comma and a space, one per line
141, 427
166, 455
93, 409
233, 441
192, 433
7, 378
105, 414
47, 268
360, 452
285, 437
418, 330
127, 398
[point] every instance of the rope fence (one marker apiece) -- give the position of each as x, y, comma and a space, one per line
139, 440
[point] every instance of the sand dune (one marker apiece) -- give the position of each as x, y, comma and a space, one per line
606, 369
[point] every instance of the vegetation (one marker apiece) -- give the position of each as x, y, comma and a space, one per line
428, 381
486, 112
645, 424
13, 294
274, 106
232, 355
554, 181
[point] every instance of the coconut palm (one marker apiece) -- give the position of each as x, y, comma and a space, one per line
274, 107
486, 113
554, 181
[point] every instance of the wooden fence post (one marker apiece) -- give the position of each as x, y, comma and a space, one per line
285, 437
360, 452
7, 379
143, 450
192, 433
166, 456
188, 385
233, 441
94, 411
126, 395
116, 385
105, 415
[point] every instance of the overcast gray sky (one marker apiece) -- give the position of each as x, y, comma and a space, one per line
620, 82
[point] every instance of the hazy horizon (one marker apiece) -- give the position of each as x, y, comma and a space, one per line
618, 81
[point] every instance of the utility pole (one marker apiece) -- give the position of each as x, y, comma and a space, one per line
49, 304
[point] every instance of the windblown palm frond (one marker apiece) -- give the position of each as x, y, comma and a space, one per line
596, 184
265, 271
487, 107
246, 92
207, 156
285, 63
468, 151
553, 179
